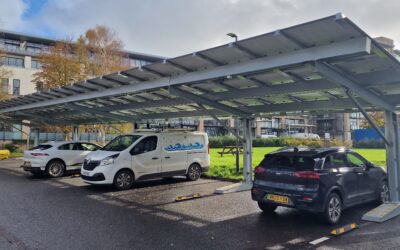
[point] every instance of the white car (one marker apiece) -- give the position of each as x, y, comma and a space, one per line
147, 155
305, 136
55, 158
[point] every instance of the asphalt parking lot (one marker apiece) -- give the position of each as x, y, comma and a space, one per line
65, 213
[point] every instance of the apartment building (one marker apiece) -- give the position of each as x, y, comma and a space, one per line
19, 55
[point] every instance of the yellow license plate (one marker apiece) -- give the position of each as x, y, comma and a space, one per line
278, 198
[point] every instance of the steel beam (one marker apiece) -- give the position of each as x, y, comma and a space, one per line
102, 113
368, 117
208, 102
345, 48
340, 78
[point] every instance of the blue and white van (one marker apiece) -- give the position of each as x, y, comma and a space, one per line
147, 155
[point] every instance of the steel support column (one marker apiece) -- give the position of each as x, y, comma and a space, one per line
75, 133
247, 162
392, 154
247, 151
36, 133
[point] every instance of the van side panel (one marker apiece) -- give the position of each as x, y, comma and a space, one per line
174, 153
199, 150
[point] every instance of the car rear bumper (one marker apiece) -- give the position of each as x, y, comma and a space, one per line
29, 168
304, 201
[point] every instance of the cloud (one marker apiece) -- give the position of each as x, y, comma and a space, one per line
174, 27
11, 13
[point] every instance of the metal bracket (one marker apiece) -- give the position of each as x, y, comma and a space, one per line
368, 117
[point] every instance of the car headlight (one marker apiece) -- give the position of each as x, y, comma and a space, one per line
108, 160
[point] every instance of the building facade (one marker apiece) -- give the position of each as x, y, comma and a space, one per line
19, 55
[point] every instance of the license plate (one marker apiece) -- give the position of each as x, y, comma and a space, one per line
85, 173
277, 198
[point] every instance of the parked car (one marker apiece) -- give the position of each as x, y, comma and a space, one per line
147, 155
305, 136
268, 136
55, 158
318, 180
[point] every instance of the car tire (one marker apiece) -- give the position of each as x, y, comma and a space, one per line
194, 172
123, 180
384, 193
333, 209
267, 208
55, 168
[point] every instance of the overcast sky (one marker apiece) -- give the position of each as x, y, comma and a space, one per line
174, 27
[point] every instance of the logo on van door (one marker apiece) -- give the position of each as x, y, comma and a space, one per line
181, 147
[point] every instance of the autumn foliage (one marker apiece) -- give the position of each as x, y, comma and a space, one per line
97, 52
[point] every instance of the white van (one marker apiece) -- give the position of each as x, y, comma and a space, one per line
147, 155
305, 136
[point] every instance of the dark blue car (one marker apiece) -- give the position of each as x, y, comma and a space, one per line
319, 180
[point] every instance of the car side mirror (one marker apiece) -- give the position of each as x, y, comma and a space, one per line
369, 165
135, 151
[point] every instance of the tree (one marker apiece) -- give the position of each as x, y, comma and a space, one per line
59, 67
97, 52
101, 51
378, 117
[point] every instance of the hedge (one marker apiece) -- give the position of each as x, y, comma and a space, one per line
222, 141
369, 144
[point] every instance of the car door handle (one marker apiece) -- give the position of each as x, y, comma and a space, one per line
154, 158
167, 157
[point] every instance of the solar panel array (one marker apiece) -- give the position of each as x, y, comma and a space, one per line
202, 83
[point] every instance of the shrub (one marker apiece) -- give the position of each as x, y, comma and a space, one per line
222, 141
369, 144
11, 147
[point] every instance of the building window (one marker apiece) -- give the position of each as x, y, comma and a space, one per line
16, 86
36, 64
12, 61
4, 86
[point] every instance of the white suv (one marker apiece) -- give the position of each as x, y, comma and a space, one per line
55, 158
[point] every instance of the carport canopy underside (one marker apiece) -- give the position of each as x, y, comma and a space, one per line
308, 67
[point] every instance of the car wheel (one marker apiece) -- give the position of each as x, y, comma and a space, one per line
55, 168
123, 180
333, 209
384, 193
267, 208
194, 172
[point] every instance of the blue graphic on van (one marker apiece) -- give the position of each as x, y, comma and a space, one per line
181, 147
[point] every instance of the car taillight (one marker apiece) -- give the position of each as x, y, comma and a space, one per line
39, 154
259, 170
307, 174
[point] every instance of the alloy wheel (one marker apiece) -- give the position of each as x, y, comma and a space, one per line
124, 180
334, 209
384, 193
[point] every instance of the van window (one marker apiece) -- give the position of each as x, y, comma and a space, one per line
121, 143
147, 144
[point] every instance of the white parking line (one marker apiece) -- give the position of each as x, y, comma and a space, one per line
317, 241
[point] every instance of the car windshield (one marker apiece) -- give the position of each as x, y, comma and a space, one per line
121, 143
42, 147
290, 162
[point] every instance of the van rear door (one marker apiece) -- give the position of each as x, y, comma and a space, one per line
198, 150
174, 153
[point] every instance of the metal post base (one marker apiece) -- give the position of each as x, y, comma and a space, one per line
237, 187
383, 213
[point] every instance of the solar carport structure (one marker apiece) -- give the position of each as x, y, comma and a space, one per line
325, 65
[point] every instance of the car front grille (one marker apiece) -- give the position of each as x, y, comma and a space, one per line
90, 165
